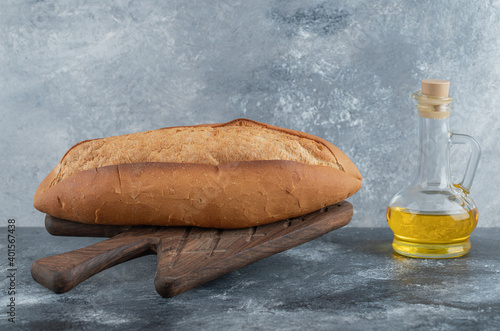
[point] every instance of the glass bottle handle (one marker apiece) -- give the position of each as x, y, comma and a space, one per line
463, 139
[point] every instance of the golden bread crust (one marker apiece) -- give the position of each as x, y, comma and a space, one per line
254, 187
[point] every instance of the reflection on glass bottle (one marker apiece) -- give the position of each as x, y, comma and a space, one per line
433, 217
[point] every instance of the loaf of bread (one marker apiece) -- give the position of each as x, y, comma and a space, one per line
232, 175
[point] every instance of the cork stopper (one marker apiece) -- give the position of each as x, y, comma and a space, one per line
433, 101
436, 87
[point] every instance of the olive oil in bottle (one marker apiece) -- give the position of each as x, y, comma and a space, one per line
433, 217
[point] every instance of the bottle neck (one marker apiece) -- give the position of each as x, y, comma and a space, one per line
434, 153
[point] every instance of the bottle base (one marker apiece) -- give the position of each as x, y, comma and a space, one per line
431, 251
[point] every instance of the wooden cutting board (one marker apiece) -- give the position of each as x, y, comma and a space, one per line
187, 256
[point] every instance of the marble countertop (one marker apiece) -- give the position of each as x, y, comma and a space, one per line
348, 279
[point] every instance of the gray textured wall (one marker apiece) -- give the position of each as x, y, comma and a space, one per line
343, 70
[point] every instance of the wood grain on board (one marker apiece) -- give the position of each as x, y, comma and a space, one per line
187, 256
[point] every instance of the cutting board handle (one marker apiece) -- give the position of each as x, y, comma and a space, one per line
60, 273
59, 227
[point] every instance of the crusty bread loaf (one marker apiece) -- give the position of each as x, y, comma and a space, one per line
231, 175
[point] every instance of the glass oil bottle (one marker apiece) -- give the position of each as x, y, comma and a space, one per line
433, 217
